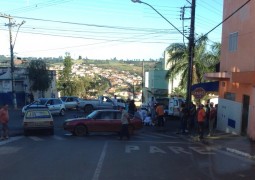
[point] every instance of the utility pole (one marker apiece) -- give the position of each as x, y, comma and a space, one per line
191, 51
10, 24
12, 65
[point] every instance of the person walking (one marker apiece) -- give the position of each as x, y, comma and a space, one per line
212, 118
125, 122
4, 118
201, 115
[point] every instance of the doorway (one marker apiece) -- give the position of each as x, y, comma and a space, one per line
245, 114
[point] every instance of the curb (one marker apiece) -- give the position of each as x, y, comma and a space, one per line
241, 153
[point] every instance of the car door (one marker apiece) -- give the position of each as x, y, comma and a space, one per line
58, 105
102, 122
116, 122
51, 106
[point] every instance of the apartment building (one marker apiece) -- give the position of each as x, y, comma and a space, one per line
236, 108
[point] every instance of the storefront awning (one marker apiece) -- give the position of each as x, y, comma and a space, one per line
208, 86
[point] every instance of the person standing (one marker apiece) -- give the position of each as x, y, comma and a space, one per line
4, 118
151, 105
160, 114
201, 115
132, 108
192, 117
115, 102
124, 124
212, 118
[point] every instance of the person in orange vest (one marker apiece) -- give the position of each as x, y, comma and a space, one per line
4, 118
201, 120
160, 114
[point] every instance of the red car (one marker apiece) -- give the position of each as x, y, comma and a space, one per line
100, 121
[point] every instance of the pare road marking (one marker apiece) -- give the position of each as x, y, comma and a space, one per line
169, 149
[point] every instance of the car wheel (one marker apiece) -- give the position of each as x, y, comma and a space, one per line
88, 108
80, 130
62, 112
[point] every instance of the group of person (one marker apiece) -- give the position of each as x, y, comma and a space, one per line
153, 116
198, 119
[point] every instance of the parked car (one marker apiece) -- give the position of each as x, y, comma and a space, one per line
100, 121
55, 105
38, 119
103, 102
71, 102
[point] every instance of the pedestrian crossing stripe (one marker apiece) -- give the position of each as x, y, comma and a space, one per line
35, 138
11, 139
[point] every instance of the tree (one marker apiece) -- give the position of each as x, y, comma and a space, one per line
65, 83
204, 61
38, 75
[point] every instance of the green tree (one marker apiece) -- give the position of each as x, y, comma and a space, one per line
38, 75
204, 61
65, 84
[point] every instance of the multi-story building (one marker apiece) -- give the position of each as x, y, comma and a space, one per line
236, 108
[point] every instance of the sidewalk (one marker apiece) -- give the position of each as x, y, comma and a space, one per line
237, 144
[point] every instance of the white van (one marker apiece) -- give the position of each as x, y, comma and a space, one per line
172, 105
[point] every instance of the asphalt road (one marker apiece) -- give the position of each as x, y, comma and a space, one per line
151, 154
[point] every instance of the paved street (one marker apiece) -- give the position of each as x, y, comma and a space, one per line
151, 153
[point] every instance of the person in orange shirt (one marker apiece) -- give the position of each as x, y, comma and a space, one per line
201, 119
160, 114
4, 118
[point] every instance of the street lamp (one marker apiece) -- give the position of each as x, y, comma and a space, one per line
191, 43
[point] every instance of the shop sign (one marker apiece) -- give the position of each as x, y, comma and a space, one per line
199, 93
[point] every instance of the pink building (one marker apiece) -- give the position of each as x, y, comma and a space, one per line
236, 108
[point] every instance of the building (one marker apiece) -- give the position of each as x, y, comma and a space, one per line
21, 86
236, 108
155, 81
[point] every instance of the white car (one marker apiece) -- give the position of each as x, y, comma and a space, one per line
71, 102
38, 119
55, 105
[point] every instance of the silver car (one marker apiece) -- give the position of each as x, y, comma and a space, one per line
71, 102
55, 105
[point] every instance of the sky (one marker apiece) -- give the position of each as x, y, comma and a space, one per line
103, 29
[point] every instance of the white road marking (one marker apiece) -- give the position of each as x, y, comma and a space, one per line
58, 138
100, 162
164, 135
8, 150
36, 138
11, 139
148, 135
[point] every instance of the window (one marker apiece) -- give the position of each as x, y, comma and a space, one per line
232, 41
230, 96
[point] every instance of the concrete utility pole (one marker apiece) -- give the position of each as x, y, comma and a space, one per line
10, 24
191, 51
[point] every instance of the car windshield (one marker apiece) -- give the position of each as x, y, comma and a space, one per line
42, 101
92, 115
63, 98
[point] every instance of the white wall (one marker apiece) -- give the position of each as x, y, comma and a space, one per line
227, 111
